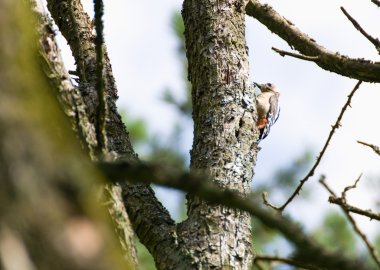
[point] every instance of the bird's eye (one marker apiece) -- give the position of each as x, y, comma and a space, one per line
269, 84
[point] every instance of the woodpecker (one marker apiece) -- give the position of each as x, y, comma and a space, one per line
268, 109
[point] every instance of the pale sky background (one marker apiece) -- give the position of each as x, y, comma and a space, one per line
143, 52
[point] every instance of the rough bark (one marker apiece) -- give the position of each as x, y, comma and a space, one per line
150, 220
73, 106
49, 218
225, 134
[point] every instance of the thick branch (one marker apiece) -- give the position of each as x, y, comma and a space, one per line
68, 95
360, 69
47, 211
101, 111
151, 221
266, 258
376, 2
307, 250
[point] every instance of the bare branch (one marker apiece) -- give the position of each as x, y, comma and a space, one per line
100, 78
356, 228
375, 148
376, 2
150, 220
323, 183
342, 200
311, 172
373, 40
288, 261
258, 265
307, 251
346, 189
295, 55
353, 209
360, 69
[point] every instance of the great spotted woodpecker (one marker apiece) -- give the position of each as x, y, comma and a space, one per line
268, 109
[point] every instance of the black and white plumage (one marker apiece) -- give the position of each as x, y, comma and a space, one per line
268, 109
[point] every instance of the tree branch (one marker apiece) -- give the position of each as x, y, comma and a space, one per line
375, 148
288, 261
295, 55
360, 69
373, 40
376, 2
319, 158
100, 79
150, 220
353, 209
308, 251
356, 228
50, 219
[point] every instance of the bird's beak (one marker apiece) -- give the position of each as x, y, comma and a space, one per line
257, 85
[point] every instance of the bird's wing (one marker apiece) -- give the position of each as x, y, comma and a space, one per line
272, 116
274, 110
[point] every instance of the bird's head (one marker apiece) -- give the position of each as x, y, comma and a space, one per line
266, 87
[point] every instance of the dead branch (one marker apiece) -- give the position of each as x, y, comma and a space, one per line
353, 209
374, 41
370, 247
307, 250
319, 158
360, 69
375, 148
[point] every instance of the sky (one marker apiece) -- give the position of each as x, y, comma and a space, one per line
143, 53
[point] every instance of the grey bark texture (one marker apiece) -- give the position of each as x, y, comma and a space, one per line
73, 106
225, 134
48, 216
47, 200
150, 220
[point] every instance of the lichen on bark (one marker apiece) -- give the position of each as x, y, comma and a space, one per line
225, 133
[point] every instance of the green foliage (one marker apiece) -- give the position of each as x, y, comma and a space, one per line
146, 261
184, 106
336, 234
155, 148
287, 178
137, 129
179, 29
263, 236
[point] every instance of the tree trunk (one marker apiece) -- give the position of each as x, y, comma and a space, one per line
225, 133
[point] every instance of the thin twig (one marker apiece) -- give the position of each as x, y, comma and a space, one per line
346, 189
373, 40
264, 195
359, 68
376, 2
288, 261
323, 183
370, 247
311, 172
353, 209
100, 84
375, 148
295, 55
